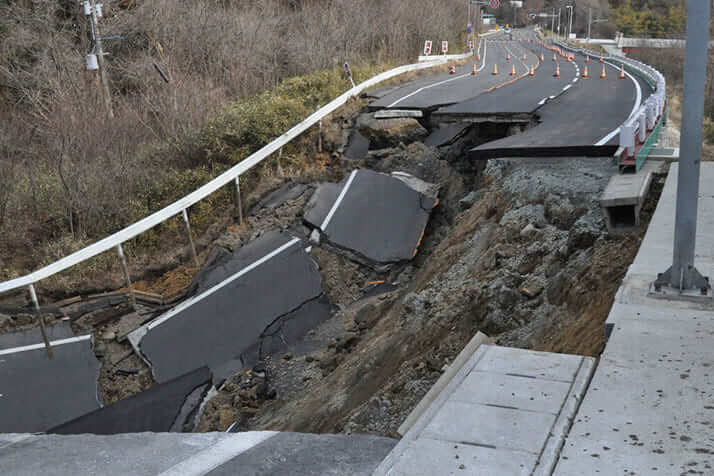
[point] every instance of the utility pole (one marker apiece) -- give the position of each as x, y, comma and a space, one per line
570, 21
93, 12
552, 23
682, 275
559, 22
590, 21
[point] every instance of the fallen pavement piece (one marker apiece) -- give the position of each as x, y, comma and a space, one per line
377, 218
60, 330
38, 392
266, 279
163, 408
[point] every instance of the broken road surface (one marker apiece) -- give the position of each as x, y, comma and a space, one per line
269, 278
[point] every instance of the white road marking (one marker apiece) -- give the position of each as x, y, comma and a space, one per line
54, 343
190, 302
218, 453
542, 101
483, 65
567, 87
337, 203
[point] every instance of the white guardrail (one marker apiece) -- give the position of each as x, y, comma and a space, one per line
644, 118
230, 176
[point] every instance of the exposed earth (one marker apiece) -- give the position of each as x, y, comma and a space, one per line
516, 249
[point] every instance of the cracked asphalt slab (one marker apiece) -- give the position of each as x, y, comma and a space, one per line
226, 320
163, 408
37, 393
374, 216
576, 122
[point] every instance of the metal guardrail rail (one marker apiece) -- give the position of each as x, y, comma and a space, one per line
230, 176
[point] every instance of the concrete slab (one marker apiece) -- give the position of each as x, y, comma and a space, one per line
138, 454
659, 239
303, 454
529, 363
649, 409
154, 410
395, 113
496, 427
622, 199
377, 218
276, 198
37, 393
58, 331
431, 457
223, 322
506, 411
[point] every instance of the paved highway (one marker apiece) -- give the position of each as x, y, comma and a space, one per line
443, 89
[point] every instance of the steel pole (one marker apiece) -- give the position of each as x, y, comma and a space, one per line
590, 22
683, 275
552, 23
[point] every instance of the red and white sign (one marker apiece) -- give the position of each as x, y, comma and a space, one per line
444, 47
494, 3
427, 47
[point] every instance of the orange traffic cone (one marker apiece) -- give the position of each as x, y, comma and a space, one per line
602, 60
542, 57
452, 69
475, 71
585, 72
508, 56
478, 57
587, 59
525, 58
495, 70
513, 70
557, 71
622, 72
532, 71
603, 75
554, 57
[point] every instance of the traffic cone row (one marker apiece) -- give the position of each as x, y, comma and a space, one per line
508, 56
495, 70
622, 72
513, 70
532, 71
452, 69
557, 71
603, 75
587, 59
585, 73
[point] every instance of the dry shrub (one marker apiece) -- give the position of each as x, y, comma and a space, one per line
66, 169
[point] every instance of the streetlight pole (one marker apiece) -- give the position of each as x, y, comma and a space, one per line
682, 275
552, 23
590, 22
570, 21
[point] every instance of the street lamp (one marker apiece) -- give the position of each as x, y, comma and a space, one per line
570, 21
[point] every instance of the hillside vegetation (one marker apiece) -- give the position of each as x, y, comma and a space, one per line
69, 174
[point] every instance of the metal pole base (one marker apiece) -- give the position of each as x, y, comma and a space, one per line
667, 285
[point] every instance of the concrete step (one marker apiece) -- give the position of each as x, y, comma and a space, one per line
507, 411
624, 196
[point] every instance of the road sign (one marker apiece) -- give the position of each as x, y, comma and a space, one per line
468, 30
444, 47
427, 47
469, 25
494, 3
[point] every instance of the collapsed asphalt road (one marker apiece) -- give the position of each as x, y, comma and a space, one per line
266, 279
376, 218
37, 392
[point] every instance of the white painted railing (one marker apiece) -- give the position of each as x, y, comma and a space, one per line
229, 177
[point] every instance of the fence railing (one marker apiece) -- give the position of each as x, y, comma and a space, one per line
229, 177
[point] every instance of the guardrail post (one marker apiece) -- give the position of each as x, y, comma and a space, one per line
627, 139
190, 238
643, 126
127, 277
239, 206
36, 303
